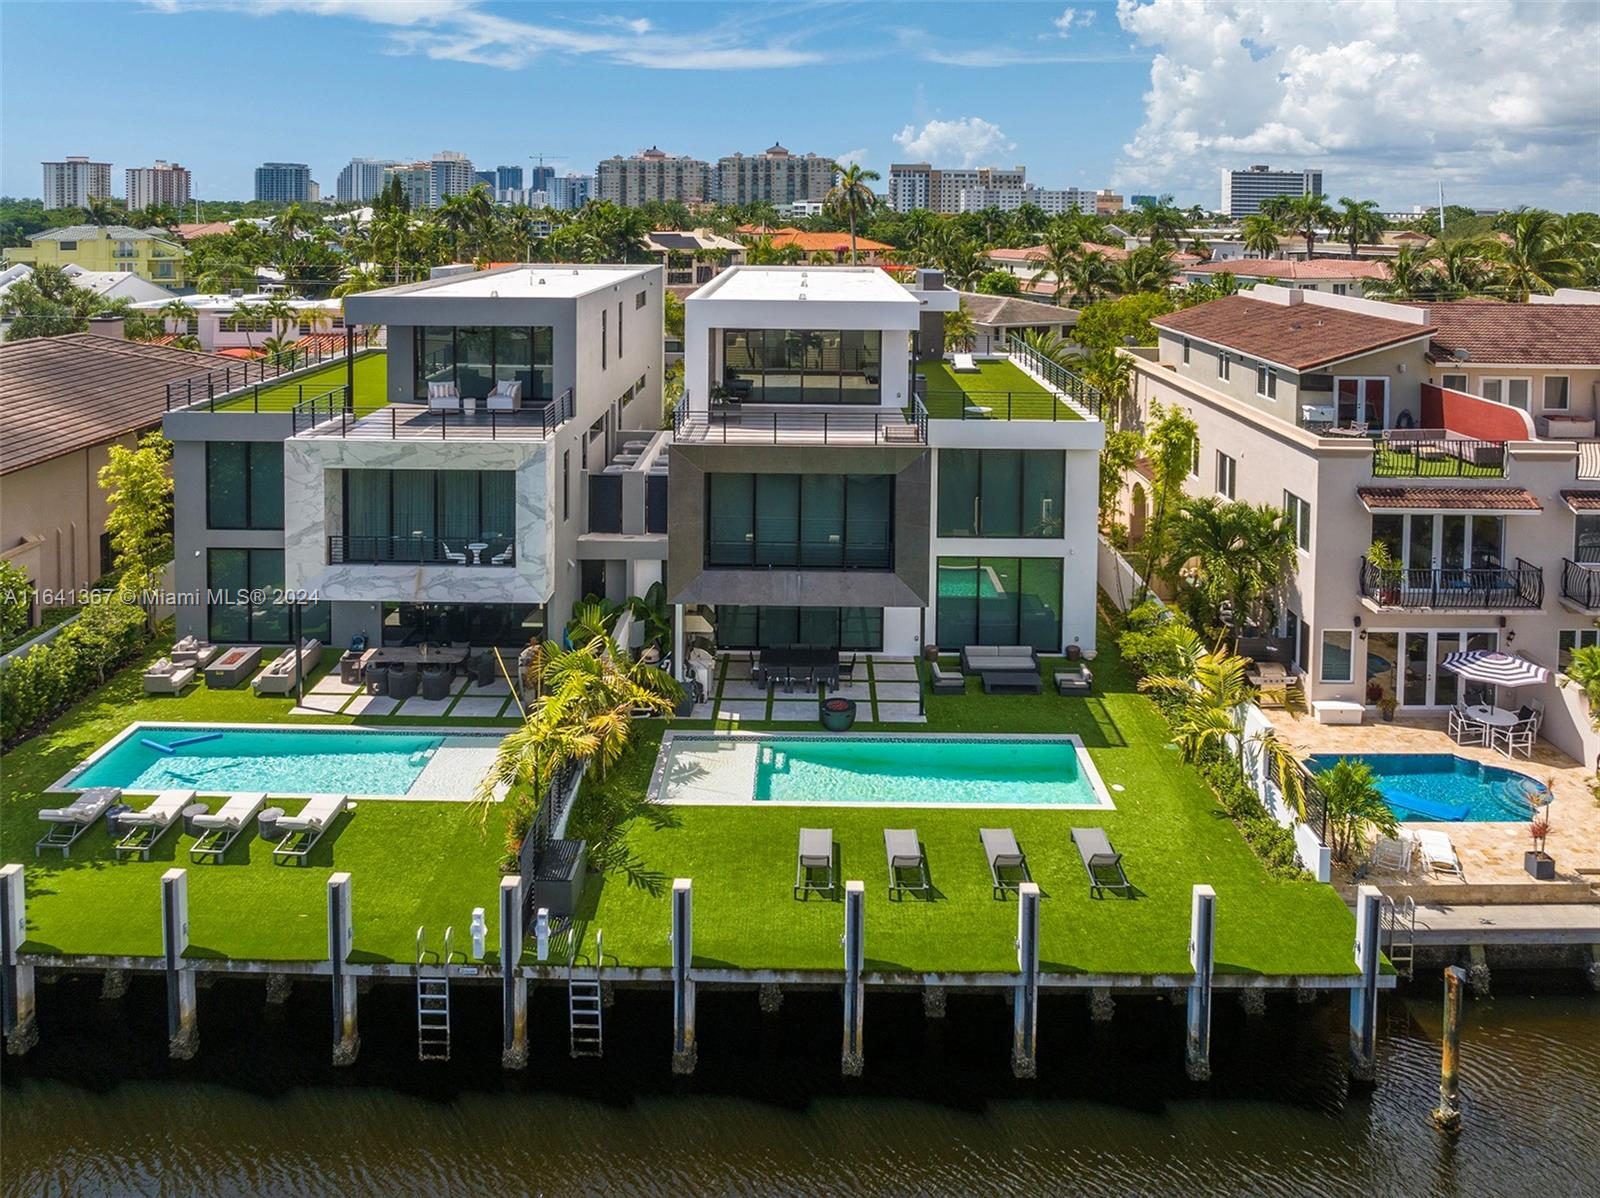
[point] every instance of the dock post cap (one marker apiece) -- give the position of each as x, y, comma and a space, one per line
342, 876
1025, 888
855, 887
173, 874
682, 883
1204, 890
510, 883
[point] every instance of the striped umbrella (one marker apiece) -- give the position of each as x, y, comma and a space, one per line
1496, 668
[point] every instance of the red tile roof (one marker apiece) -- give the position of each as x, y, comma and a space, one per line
1299, 336
188, 232
831, 243
1465, 499
1294, 268
1521, 334
1582, 501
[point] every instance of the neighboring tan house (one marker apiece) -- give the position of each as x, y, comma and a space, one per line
1027, 261
837, 245
64, 401
1338, 276
112, 247
997, 317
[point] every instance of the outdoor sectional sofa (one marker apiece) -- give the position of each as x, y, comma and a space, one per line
1003, 667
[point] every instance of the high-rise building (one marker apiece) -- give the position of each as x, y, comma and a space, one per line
283, 183
1243, 191
919, 185
70, 183
1053, 201
163, 183
568, 193
362, 179
774, 176
509, 178
654, 174
416, 183
486, 178
1107, 202
452, 176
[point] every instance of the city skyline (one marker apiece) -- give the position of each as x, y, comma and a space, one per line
1150, 108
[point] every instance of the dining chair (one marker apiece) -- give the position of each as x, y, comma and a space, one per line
1465, 730
1515, 737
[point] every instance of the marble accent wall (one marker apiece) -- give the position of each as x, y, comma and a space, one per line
313, 491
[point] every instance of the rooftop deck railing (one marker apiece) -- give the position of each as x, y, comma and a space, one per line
464, 550
227, 388
1492, 588
733, 424
1580, 583
1434, 453
1077, 391
416, 422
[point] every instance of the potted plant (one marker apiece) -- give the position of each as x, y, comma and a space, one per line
1387, 706
1541, 866
1383, 574
838, 713
1374, 692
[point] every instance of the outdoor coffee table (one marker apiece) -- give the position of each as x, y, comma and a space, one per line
232, 666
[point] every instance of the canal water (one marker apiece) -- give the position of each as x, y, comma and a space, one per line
97, 1109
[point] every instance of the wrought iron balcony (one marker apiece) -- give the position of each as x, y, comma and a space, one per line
1580, 583
1488, 588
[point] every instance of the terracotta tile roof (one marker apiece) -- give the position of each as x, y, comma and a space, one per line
1465, 499
188, 232
1010, 309
1582, 501
1032, 253
1299, 336
1295, 268
62, 394
1524, 334
832, 243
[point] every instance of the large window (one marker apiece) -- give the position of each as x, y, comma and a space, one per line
806, 521
245, 600
1423, 543
1299, 513
511, 625
428, 515
813, 366
476, 357
1227, 475
1001, 492
1569, 639
244, 484
1337, 654
858, 628
999, 601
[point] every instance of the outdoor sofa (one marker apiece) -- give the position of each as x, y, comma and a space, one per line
167, 677
1003, 667
945, 682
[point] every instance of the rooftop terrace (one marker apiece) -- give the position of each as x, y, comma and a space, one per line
997, 390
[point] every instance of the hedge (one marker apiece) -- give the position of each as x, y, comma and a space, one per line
50, 677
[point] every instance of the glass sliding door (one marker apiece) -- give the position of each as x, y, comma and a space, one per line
1418, 661
998, 579
1039, 604
1383, 654
958, 493
957, 590
413, 508
999, 601
808, 521
849, 628
777, 519
730, 520
869, 521
822, 535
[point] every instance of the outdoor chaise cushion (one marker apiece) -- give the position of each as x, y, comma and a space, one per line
1100, 861
1001, 848
233, 814
142, 829
815, 852
904, 851
1069, 683
301, 832
166, 678
72, 821
1438, 854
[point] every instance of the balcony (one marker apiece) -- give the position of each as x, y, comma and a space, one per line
1496, 588
491, 552
1435, 453
735, 424
413, 422
1580, 584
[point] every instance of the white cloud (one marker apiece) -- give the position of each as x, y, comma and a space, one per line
858, 157
1073, 18
1497, 100
969, 141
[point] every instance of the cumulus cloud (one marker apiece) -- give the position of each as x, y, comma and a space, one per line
969, 141
1073, 18
858, 157
1496, 98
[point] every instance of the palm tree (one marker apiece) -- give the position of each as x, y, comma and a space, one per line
245, 317
1089, 276
1207, 693
1305, 214
1407, 277
1352, 801
102, 210
357, 279
851, 197
1534, 259
959, 331
1161, 220
1047, 345
1060, 257
1460, 267
1244, 553
224, 274
1260, 235
1148, 268
177, 314
1359, 220
457, 214
283, 315
962, 262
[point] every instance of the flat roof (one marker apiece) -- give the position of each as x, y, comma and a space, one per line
516, 282
814, 284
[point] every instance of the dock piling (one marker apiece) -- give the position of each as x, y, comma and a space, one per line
1364, 998
1101, 1005
933, 1002
114, 984
1025, 1007
855, 902
341, 939
1591, 971
183, 1027
1447, 1116
769, 996
16, 979
278, 987
1202, 958
513, 985
684, 1050
1478, 970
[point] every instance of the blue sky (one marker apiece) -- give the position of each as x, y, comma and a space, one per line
1499, 103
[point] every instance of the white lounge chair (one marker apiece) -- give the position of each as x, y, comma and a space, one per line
963, 364
68, 823
166, 677
443, 397
1394, 852
221, 828
1438, 854
301, 832
142, 829
506, 396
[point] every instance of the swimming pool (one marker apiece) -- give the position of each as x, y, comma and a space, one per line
243, 759
1441, 787
923, 771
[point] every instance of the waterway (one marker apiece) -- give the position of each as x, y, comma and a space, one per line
97, 1109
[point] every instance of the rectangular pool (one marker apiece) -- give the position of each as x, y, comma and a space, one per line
1441, 787
922, 771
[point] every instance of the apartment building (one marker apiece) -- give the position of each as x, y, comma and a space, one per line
416, 183
283, 183
115, 248
72, 182
1458, 437
1243, 191
774, 176
654, 174
362, 179
1052, 201
919, 185
817, 502
450, 174
413, 522
163, 183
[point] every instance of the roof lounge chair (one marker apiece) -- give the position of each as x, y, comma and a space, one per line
167, 677
1101, 862
1438, 854
904, 851
443, 397
72, 821
218, 830
304, 830
506, 396
1001, 848
946, 682
963, 364
142, 829
815, 852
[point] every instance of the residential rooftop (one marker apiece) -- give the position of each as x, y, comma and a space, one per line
1516, 334
1298, 335
517, 281
1295, 268
1435, 499
1011, 309
814, 284
98, 232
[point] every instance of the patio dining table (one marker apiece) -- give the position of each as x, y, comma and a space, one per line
414, 655
1494, 717
821, 664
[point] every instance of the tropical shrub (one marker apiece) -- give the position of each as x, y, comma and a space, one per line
1153, 638
16, 600
48, 677
1353, 803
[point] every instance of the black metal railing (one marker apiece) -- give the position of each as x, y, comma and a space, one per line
419, 549
1398, 454
415, 421
311, 410
735, 424
230, 386
1580, 582
1314, 801
1058, 376
1493, 587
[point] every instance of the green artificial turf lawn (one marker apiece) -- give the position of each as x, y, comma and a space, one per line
1171, 832
411, 862
1394, 462
372, 380
1002, 387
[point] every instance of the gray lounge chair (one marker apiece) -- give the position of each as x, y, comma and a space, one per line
946, 682
301, 832
904, 852
1069, 682
1101, 862
142, 829
1001, 848
815, 852
68, 823
218, 830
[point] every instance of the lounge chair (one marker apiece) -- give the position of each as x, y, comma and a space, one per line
68, 823
443, 397
946, 682
1438, 854
1101, 862
218, 830
904, 852
1001, 848
815, 852
963, 364
1394, 852
166, 677
301, 832
1070, 682
142, 829
506, 396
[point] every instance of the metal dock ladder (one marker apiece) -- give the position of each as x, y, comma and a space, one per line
584, 1004
1400, 934
433, 1001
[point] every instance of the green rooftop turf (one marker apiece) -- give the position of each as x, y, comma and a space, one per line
1002, 387
372, 380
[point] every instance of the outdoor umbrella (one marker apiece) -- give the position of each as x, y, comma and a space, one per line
1495, 668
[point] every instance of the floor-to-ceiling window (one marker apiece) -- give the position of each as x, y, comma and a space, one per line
1422, 544
428, 515
245, 600
805, 521
475, 357
999, 601
1408, 666
244, 484
1001, 492
859, 628
812, 366
507, 624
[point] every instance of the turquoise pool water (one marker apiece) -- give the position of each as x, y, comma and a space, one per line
290, 761
864, 770
1441, 787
